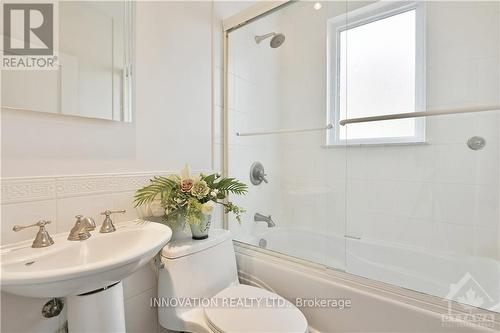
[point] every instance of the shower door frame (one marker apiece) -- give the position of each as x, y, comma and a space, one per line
426, 302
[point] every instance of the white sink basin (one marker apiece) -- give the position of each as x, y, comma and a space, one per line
75, 267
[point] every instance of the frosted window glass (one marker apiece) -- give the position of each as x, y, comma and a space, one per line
377, 76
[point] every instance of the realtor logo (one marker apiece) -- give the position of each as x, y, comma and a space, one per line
30, 36
28, 29
470, 293
472, 297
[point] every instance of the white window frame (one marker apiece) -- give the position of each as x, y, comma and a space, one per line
362, 16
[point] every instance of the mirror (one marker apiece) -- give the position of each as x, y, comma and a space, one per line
94, 76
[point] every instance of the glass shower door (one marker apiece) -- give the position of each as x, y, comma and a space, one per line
277, 104
422, 194
326, 95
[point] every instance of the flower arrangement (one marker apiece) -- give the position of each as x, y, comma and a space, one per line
190, 198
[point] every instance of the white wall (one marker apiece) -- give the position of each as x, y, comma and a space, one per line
172, 126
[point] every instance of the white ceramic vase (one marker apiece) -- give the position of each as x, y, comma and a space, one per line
200, 230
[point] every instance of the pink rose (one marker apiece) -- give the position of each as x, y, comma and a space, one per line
186, 185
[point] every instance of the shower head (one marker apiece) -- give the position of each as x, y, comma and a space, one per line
276, 41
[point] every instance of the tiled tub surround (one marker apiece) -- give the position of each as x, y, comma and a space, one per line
59, 199
252, 106
438, 196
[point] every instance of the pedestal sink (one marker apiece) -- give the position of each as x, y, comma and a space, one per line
87, 272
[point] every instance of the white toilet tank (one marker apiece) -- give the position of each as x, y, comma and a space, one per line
194, 269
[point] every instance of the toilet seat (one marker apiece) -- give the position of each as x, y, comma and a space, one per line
242, 308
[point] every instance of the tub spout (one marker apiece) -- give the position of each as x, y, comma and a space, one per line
258, 217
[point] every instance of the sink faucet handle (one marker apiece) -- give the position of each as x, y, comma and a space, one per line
40, 223
109, 212
42, 238
107, 224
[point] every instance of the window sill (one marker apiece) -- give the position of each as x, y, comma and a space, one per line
368, 145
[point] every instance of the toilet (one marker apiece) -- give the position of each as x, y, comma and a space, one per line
199, 287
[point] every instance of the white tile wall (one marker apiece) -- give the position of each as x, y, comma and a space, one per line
27, 213
253, 92
125, 201
85, 195
90, 206
440, 195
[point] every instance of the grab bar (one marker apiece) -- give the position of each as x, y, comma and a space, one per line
297, 130
419, 114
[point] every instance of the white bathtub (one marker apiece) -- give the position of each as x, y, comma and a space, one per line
410, 268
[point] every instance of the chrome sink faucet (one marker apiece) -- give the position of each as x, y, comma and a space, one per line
42, 238
107, 224
258, 217
81, 229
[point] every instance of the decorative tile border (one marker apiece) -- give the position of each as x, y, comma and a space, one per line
75, 186
27, 189
45, 188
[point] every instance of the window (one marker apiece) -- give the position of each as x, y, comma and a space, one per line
377, 67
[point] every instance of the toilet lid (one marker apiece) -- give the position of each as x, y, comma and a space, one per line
243, 308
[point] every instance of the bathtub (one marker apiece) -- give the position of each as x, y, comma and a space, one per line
410, 268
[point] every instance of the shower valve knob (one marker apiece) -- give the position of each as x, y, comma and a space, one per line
257, 174
261, 175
